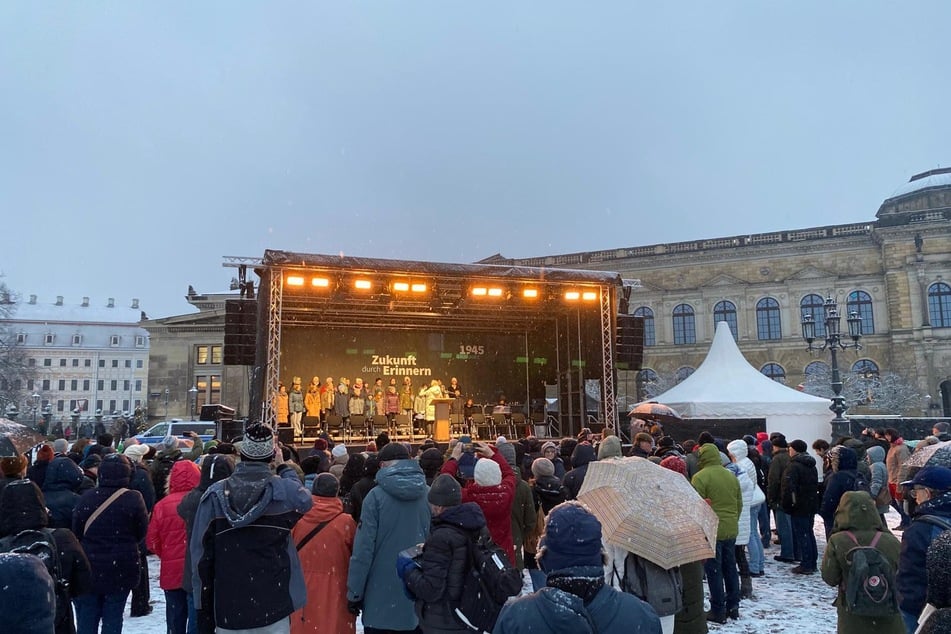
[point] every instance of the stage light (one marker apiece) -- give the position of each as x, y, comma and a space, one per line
401, 287
530, 293
363, 285
418, 287
572, 296
480, 291
589, 296
295, 280
495, 292
320, 282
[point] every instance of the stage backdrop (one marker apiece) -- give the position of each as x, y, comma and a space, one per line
486, 365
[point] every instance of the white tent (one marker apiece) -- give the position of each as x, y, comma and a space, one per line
727, 386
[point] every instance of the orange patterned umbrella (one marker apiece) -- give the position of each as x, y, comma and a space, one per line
652, 410
650, 511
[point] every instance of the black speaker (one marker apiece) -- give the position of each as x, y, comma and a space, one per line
629, 347
285, 435
241, 321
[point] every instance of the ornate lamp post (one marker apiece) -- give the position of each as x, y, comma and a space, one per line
834, 342
193, 399
36, 406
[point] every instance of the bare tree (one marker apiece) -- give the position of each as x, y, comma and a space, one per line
886, 392
14, 371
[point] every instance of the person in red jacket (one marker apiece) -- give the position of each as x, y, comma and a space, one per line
166, 538
492, 488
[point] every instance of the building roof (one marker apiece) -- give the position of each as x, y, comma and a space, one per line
76, 313
932, 179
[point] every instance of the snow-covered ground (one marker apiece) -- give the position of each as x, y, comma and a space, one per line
783, 602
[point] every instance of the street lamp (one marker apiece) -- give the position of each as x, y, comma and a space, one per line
193, 399
834, 342
36, 405
166, 404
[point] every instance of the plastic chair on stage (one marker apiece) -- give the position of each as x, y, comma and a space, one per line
336, 427
457, 424
481, 427
378, 424
520, 426
403, 428
358, 422
500, 425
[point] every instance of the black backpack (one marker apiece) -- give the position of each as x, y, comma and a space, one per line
489, 583
662, 589
869, 588
42, 545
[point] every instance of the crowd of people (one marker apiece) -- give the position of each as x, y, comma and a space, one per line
256, 536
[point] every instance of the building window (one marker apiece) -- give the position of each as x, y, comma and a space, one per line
114, 341
62, 385
685, 330
75, 363
60, 405
125, 385
115, 363
74, 385
100, 385
725, 311
102, 363
99, 406
201, 354
112, 406
47, 363
77, 340
861, 302
216, 355
29, 384
683, 373
138, 385
62, 363
939, 305
865, 368
128, 363
49, 339
139, 341
114, 385
85, 385
209, 390
31, 362
814, 305
21, 337
775, 372
125, 405
647, 315
138, 363
87, 363
767, 319
819, 368
46, 385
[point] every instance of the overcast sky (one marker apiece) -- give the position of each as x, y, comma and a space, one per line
140, 142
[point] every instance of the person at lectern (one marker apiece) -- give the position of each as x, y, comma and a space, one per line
454, 391
433, 391
296, 407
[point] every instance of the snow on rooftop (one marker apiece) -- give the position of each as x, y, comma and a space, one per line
61, 310
934, 178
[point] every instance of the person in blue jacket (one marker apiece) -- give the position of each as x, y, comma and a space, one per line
394, 516
932, 489
576, 599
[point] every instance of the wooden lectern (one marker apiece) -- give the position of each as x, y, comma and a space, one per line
441, 428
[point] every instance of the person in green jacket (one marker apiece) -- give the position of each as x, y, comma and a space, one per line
720, 488
857, 515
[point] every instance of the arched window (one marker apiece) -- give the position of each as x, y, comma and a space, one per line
817, 368
648, 315
861, 302
647, 375
725, 311
767, 319
685, 328
813, 305
683, 373
774, 371
865, 368
939, 305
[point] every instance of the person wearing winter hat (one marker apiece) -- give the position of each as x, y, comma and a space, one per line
576, 598
13, 468
251, 505
788, 548
394, 516
339, 457
799, 492
325, 560
524, 515
436, 578
643, 445
609, 447
37, 471
28, 600
938, 566
550, 451
431, 460
492, 488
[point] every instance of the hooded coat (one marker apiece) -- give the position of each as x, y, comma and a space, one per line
718, 485
842, 480
495, 501
22, 507
438, 583
325, 560
557, 611
394, 516
252, 513
912, 578
746, 492
800, 486
875, 456
112, 541
857, 514
60, 488
580, 458
166, 535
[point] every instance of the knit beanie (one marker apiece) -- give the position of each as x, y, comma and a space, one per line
487, 472
507, 450
445, 491
320, 444
665, 442
339, 451
60, 446
675, 463
28, 600
799, 446
258, 443
542, 467
45, 454
704, 438
13, 466
168, 444
643, 437
393, 451
572, 538
549, 445
135, 452
610, 447
779, 442
325, 485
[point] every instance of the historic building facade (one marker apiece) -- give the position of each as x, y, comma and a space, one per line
83, 358
893, 271
187, 361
